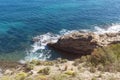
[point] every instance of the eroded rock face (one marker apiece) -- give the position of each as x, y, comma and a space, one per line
84, 42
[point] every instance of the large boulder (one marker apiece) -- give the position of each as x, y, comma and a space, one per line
84, 42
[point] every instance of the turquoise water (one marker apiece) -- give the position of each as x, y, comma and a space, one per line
20, 20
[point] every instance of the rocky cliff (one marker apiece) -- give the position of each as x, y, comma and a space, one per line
84, 42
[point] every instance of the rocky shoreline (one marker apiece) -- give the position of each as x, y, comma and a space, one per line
102, 63
83, 43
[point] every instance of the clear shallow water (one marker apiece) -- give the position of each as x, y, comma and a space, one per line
20, 20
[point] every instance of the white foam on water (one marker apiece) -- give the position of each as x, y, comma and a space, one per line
65, 31
41, 52
109, 29
39, 49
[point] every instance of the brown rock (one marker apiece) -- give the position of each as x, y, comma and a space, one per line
84, 43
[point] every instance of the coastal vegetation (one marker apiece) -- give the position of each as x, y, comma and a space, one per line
103, 63
99, 59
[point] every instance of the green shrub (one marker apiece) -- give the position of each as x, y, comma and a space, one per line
81, 60
29, 67
76, 62
5, 78
70, 72
48, 63
21, 76
92, 69
40, 77
45, 71
94, 78
35, 62
100, 67
64, 60
59, 77
117, 67
84, 59
108, 56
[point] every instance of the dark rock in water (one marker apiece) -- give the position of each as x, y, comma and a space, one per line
84, 43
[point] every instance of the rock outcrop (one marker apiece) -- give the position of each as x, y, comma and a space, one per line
84, 42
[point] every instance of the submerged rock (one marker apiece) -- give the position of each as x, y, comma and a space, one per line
84, 42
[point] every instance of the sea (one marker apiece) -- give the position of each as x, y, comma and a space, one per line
23, 20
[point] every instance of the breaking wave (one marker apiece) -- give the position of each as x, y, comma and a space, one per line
109, 29
40, 51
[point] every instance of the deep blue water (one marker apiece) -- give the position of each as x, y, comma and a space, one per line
20, 20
